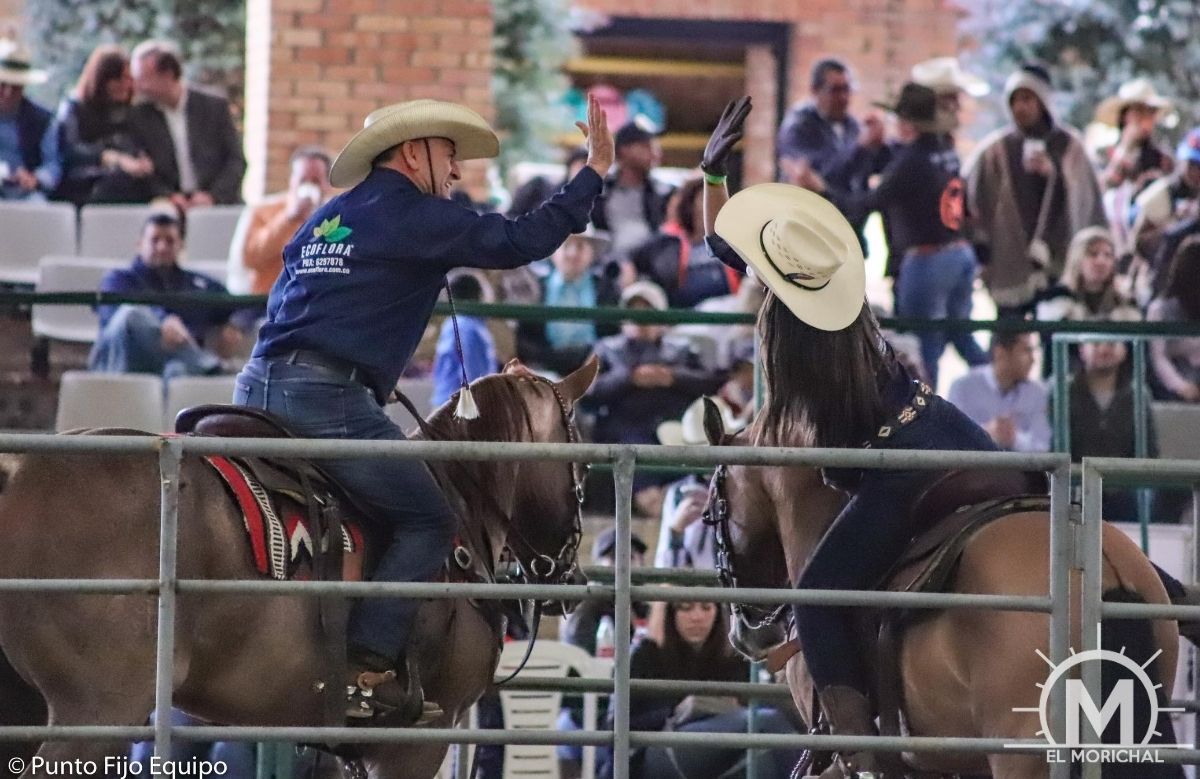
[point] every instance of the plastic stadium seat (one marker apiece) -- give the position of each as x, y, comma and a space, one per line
69, 274
132, 400
210, 232
188, 391
111, 231
32, 231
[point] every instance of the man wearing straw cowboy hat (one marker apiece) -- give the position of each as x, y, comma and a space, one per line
28, 153
949, 82
358, 286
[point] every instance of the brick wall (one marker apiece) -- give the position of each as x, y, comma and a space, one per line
332, 62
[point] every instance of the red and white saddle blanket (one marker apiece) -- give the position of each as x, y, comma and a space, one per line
277, 526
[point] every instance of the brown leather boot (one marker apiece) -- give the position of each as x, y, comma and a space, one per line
849, 714
377, 694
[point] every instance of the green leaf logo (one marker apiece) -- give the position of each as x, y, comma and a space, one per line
332, 230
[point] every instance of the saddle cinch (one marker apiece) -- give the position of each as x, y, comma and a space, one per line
300, 522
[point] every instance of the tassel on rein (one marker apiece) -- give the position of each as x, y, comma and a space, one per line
466, 408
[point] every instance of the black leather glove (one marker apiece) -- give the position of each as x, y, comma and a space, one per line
729, 132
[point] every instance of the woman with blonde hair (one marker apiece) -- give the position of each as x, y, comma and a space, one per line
1090, 289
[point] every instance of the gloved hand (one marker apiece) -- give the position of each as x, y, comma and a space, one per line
728, 132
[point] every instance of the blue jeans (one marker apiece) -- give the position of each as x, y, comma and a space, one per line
131, 342
710, 763
939, 286
867, 538
400, 494
238, 756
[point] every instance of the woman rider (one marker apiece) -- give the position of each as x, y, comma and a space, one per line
815, 317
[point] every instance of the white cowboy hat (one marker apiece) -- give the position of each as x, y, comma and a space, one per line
599, 239
943, 74
1138, 91
802, 248
16, 67
689, 429
394, 124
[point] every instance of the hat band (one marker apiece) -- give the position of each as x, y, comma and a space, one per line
15, 65
796, 279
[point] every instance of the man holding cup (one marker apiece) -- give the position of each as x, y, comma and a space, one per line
1030, 188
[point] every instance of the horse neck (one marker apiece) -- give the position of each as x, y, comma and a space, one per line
482, 494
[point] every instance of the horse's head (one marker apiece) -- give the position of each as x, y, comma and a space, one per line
768, 520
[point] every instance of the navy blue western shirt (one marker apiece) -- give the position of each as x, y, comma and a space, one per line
361, 277
140, 277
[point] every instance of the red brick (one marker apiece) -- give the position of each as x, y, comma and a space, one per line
436, 59
326, 55
352, 39
381, 23
322, 122
439, 24
348, 74
399, 74
297, 5
327, 21
297, 37
480, 27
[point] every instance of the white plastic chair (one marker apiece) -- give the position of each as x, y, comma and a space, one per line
539, 710
187, 391
77, 324
210, 232
132, 400
111, 230
1178, 429
32, 231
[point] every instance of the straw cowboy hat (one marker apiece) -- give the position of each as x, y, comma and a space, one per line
1136, 92
394, 124
689, 429
943, 74
802, 248
16, 65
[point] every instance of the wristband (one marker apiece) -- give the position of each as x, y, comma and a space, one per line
716, 181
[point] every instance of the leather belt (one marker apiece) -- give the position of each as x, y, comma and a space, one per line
343, 369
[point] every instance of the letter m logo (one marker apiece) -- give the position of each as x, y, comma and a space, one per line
1078, 700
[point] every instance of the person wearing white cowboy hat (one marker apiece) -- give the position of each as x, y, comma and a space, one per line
921, 196
29, 163
946, 77
359, 283
1136, 111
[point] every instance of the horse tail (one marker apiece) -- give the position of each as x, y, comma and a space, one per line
20, 705
1135, 639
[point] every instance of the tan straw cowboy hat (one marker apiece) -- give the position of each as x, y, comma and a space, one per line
394, 124
1136, 92
689, 429
16, 67
944, 74
802, 248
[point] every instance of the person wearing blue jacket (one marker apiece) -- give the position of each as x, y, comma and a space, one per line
359, 283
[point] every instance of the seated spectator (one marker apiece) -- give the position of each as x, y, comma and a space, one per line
1090, 289
188, 132
1170, 201
684, 541
1137, 159
646, 377
677, 258
633, 203
689, 641
101, 162
574, 280
467, 343
1101, 412
29, 164
272, 223
1003, 399
1176, 361
169, 340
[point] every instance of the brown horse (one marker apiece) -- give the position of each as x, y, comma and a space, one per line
963, 671
246, 660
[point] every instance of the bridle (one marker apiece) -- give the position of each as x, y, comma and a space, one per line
526, 564
716, 515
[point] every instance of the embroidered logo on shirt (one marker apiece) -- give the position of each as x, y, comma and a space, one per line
332, 230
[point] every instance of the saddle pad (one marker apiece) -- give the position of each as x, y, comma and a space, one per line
277, 526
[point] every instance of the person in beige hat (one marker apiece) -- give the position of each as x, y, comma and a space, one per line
359, 282
1136, 110
29, 161
946, 77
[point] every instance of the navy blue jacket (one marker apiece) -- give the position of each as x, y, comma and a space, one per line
361, 277
140, 277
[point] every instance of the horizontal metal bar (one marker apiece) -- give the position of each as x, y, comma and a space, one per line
606, 573
870, 598
1149, 611
82, 586
1115, 466
493, 451
647, 687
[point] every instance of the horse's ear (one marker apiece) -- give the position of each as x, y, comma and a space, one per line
714, 423
576, 385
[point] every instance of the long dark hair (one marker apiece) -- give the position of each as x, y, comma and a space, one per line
711, 657
824, 388
1183, 277
106, 63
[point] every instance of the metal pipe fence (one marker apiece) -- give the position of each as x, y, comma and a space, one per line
1067, 553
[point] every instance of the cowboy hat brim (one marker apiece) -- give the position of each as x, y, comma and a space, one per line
24, 78
741, 222
468, 131
1109, 110
938, 124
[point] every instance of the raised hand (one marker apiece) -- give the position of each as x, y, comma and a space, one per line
601, 151
728, 132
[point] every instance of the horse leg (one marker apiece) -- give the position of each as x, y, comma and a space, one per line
20, 704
